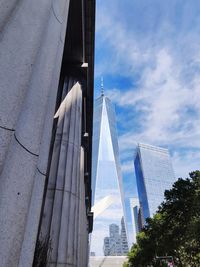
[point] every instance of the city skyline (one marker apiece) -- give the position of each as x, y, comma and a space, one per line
148, 53
93, 176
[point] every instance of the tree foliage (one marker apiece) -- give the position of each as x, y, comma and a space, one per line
174, 230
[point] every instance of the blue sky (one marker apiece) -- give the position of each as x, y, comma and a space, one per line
148, 52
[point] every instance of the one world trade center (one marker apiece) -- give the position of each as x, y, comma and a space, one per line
109, 237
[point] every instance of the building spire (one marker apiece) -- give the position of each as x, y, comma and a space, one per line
102, 89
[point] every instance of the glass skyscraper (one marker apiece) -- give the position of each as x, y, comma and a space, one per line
116, 244
154, 174
106, 175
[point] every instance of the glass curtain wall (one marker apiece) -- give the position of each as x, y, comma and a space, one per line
154, 174
106, 175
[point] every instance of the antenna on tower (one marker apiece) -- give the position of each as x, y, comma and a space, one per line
102, 89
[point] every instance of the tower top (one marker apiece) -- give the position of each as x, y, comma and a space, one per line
102, 89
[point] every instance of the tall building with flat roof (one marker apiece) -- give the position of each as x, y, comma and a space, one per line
154, 174
106, 174
116, 244
115, 240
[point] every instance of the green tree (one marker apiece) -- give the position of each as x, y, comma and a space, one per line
175, 228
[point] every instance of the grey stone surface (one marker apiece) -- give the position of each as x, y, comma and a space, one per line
55, 224
59, 7
64, 23
20, 42
31, 230
15, 191
6, 10
50, 110
47, 213
22, 26
35, 104
5, 137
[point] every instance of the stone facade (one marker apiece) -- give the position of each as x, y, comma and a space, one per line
39, 51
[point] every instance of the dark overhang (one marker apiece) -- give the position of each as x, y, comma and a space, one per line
89, 58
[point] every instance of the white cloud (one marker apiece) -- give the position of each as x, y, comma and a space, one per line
169, 112
124, 50
128, 167
186, 162
165, 102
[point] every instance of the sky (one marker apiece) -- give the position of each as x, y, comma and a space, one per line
148, 52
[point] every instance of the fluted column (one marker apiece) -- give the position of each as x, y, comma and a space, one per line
65, 193
32, 39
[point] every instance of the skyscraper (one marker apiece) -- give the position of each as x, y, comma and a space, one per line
114, 241
116, 244
106, 173
154, 174
124, 238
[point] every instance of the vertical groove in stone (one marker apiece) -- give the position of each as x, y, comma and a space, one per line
67, 180
77, 213
77, 134
82, 234
66, 165
81, 201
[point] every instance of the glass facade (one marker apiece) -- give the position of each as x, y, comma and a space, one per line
154, 174
134, 204
106, 174
116, 244
124, 246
